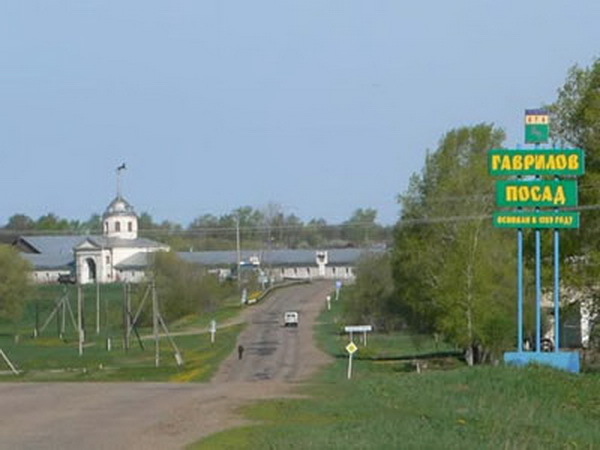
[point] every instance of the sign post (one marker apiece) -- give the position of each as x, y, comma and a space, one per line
364, 329
351, 349
338, 286
526, 196
328, 300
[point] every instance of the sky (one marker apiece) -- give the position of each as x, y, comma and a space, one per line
318, 106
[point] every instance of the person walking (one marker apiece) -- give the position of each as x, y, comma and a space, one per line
240, 351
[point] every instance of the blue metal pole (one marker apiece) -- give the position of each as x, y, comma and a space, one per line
538, 291
520, 289
556, 290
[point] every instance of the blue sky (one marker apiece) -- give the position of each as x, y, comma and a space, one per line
320, 106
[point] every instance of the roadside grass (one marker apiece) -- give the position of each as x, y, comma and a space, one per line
386, 406
52, 358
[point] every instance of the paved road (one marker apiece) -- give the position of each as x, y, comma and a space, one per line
167, 415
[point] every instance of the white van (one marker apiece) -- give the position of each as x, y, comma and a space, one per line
290, 319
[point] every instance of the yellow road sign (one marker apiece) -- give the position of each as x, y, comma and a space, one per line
351, 347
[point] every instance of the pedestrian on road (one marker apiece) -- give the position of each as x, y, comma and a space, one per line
240, 351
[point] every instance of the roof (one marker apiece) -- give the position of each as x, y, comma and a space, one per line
49, 261
50, 244
113, 242
284, 257
119, 207
138, 261
57, 252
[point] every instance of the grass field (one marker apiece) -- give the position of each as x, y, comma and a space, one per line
388, 405
54, 356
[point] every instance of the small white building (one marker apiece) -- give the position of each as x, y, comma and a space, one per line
117, 255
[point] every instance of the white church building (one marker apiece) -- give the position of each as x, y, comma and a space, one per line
115, 256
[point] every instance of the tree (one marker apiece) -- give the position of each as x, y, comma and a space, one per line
576, 121
371, 301
452, 269
51, 222
185, 288
14, 282
20, 222
361, 226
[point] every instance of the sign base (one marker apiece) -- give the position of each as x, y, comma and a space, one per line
568, 361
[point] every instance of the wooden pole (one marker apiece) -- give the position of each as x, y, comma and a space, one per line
80, 319
37, 319
97, 306
125, 320
14, 370
63, 316
128, 305
155, 324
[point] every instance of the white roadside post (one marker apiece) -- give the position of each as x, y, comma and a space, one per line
213, 330
350, 348
328, 302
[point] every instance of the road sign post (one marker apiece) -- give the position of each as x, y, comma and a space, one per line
364, 329
525, 197
351, 349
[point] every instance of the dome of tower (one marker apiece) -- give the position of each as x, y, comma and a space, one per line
119, 207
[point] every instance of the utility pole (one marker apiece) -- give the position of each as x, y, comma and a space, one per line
80, 318
237, 244
97, 305
155, 326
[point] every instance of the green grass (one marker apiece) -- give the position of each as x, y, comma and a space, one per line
52, 358
384, 406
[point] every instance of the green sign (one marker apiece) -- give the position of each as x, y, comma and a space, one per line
505, 162
534, 219
536, 193
537, 134
537, 126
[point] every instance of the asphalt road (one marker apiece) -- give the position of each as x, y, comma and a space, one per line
168, 415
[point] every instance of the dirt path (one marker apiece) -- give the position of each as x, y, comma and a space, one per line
167, 415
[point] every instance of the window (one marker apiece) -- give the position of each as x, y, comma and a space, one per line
106, 227
130, 226
107, 259
117, 226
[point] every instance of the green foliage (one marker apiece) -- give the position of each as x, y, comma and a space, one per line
576, 122
185, 288
371, 299
385, 407
14, 282
50, 358
452, 270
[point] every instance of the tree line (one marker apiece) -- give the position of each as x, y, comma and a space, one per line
450, 272
268, 227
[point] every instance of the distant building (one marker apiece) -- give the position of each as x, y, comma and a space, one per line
117, 255
286, 264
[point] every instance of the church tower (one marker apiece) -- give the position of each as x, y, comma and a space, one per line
120, 220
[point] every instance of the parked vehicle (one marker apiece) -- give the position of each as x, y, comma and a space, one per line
290, 319
66, 278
